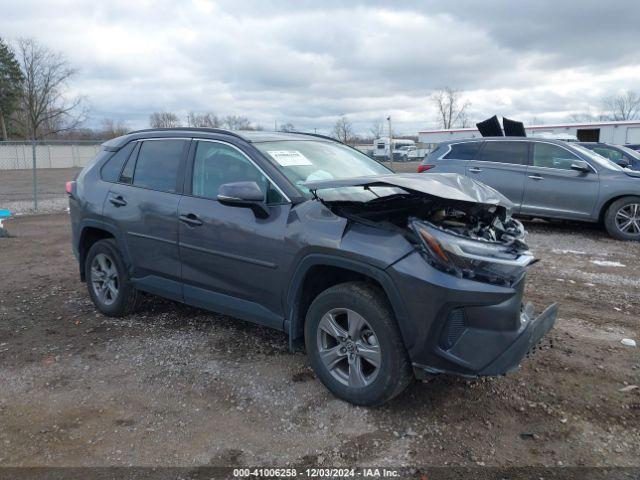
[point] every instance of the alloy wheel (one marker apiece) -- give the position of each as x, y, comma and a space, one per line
348, 347
628, 219
104, 278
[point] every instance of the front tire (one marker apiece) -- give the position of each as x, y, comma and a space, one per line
354, 345
108, 282
622, 219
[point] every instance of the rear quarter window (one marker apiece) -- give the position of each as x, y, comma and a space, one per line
464, 151
110, 171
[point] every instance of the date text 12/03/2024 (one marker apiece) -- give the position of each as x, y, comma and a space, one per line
316, 472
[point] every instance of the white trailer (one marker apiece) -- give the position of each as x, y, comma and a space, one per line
381, 147
617, 133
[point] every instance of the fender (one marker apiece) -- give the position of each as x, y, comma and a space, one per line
294, 325
117, 235
600, 210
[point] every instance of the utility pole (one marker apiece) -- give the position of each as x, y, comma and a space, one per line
390, 143
34, 166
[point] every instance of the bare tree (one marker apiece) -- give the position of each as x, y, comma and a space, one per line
44, 109
206, 119
376, 129
343, 130
625, 106
287, 127
163, 120
237, 122
451, 108
113, 128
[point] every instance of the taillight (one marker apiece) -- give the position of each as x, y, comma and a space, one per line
69, 187
424, 168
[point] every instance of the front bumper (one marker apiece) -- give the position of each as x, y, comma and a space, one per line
453, 325
537, 328
512, 354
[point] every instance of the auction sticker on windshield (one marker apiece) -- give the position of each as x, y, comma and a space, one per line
289, 158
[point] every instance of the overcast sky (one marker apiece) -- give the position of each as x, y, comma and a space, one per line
307, 62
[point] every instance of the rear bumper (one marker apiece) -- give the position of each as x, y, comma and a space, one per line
464, 327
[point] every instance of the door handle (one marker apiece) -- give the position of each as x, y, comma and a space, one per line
536, 177
191, 220
118, 201
475, 169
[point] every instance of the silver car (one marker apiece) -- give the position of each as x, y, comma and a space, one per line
548, 179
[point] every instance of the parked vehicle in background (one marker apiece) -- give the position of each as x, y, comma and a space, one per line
548, 179
623, 156
378, 275
398, 145
412, 153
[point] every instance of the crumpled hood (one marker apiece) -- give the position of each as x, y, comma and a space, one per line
451, 186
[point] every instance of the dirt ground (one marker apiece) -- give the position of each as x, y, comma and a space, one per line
177, 386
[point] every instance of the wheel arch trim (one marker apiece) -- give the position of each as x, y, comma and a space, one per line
294, 324
604, 206
87, 224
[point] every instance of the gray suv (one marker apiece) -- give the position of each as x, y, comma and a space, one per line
548, 179
380, 276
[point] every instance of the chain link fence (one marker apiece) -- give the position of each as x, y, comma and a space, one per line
33, 174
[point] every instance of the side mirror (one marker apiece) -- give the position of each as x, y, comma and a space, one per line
581, 166
244, 194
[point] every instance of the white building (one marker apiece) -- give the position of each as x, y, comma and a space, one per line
617, 133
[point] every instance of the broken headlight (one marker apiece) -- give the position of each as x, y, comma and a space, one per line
486, 261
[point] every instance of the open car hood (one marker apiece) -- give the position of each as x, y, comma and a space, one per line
451, 186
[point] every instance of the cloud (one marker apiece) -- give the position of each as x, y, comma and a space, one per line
308, 62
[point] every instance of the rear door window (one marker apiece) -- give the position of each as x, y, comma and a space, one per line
549, 155
158, 164
464, 151
505, 152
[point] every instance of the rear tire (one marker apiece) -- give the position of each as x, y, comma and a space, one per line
108, 283
622, 219
349, 329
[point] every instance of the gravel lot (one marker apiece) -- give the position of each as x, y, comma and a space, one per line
173, 385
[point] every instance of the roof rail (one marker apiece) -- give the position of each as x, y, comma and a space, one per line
196, 129
326, 137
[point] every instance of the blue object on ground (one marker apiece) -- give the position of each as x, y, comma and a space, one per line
4, 214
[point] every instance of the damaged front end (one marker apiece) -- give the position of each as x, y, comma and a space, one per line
463, 283
462, 227
492, 252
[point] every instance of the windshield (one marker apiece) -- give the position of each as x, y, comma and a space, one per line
311, 160
599, 159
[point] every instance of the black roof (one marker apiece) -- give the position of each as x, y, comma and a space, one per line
188, 132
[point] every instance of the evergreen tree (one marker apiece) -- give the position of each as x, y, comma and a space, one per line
10, 81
